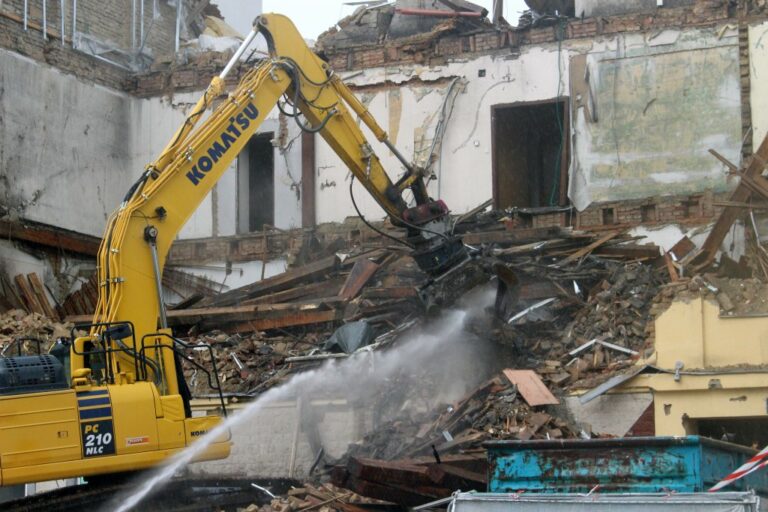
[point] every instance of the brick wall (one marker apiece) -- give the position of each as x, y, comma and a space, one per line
689, 209
703, 13
31, 44
107, 21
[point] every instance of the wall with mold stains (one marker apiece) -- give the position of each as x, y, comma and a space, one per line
65, 146
758, 61
69, 150
655, 105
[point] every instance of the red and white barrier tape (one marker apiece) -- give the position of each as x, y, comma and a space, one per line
757, 462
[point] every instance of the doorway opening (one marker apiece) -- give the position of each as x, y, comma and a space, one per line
752, 432
261, 182
530, 154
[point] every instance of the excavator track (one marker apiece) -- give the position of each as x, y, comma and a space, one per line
182, 495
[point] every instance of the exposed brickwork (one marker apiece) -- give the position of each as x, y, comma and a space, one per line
64, 58
694, 209
108, 21
746, 87
703, 13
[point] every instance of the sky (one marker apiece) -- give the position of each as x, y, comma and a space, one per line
313, 17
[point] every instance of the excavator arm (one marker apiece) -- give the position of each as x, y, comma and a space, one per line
141, 231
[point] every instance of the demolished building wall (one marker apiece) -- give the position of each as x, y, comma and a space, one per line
650, 163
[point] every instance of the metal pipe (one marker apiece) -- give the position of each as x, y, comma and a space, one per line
45, 21
239, 53
178, 24
398, 154
74, 21
61, 15
133, 24
158, 284
141, 23
26, 14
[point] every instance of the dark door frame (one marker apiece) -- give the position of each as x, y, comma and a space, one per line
564, 155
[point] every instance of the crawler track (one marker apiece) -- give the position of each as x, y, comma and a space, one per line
180, 495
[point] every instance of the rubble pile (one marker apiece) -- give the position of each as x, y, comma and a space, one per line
17, 324
617, 311
323, 498
735, 296
247, 363
493, 411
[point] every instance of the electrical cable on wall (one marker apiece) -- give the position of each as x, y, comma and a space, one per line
562, 22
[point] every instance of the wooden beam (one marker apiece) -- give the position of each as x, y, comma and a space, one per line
288, 320
27, 295
733, 167
361, 273
295, 277
251, 318
50, 236
325, 288
588, 249
42, 298
728, 216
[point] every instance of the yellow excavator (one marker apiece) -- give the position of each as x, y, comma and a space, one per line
115, 400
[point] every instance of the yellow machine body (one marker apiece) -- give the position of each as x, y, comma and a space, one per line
95, 430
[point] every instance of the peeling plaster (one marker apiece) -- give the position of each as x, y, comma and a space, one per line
395, 104
654, 124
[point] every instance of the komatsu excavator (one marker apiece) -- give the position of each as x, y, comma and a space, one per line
115, 400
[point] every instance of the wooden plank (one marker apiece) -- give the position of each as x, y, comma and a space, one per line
757, 184
361, 273
728, 216
513, 236
242, 313
404, 495
82, 307
394, 292
10, 293
530, 386
324, 288
733, 167
42, 298
673, 276
287, 320
629, 252
28, 295
682, 248
591, 247
389, 472
313, 271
